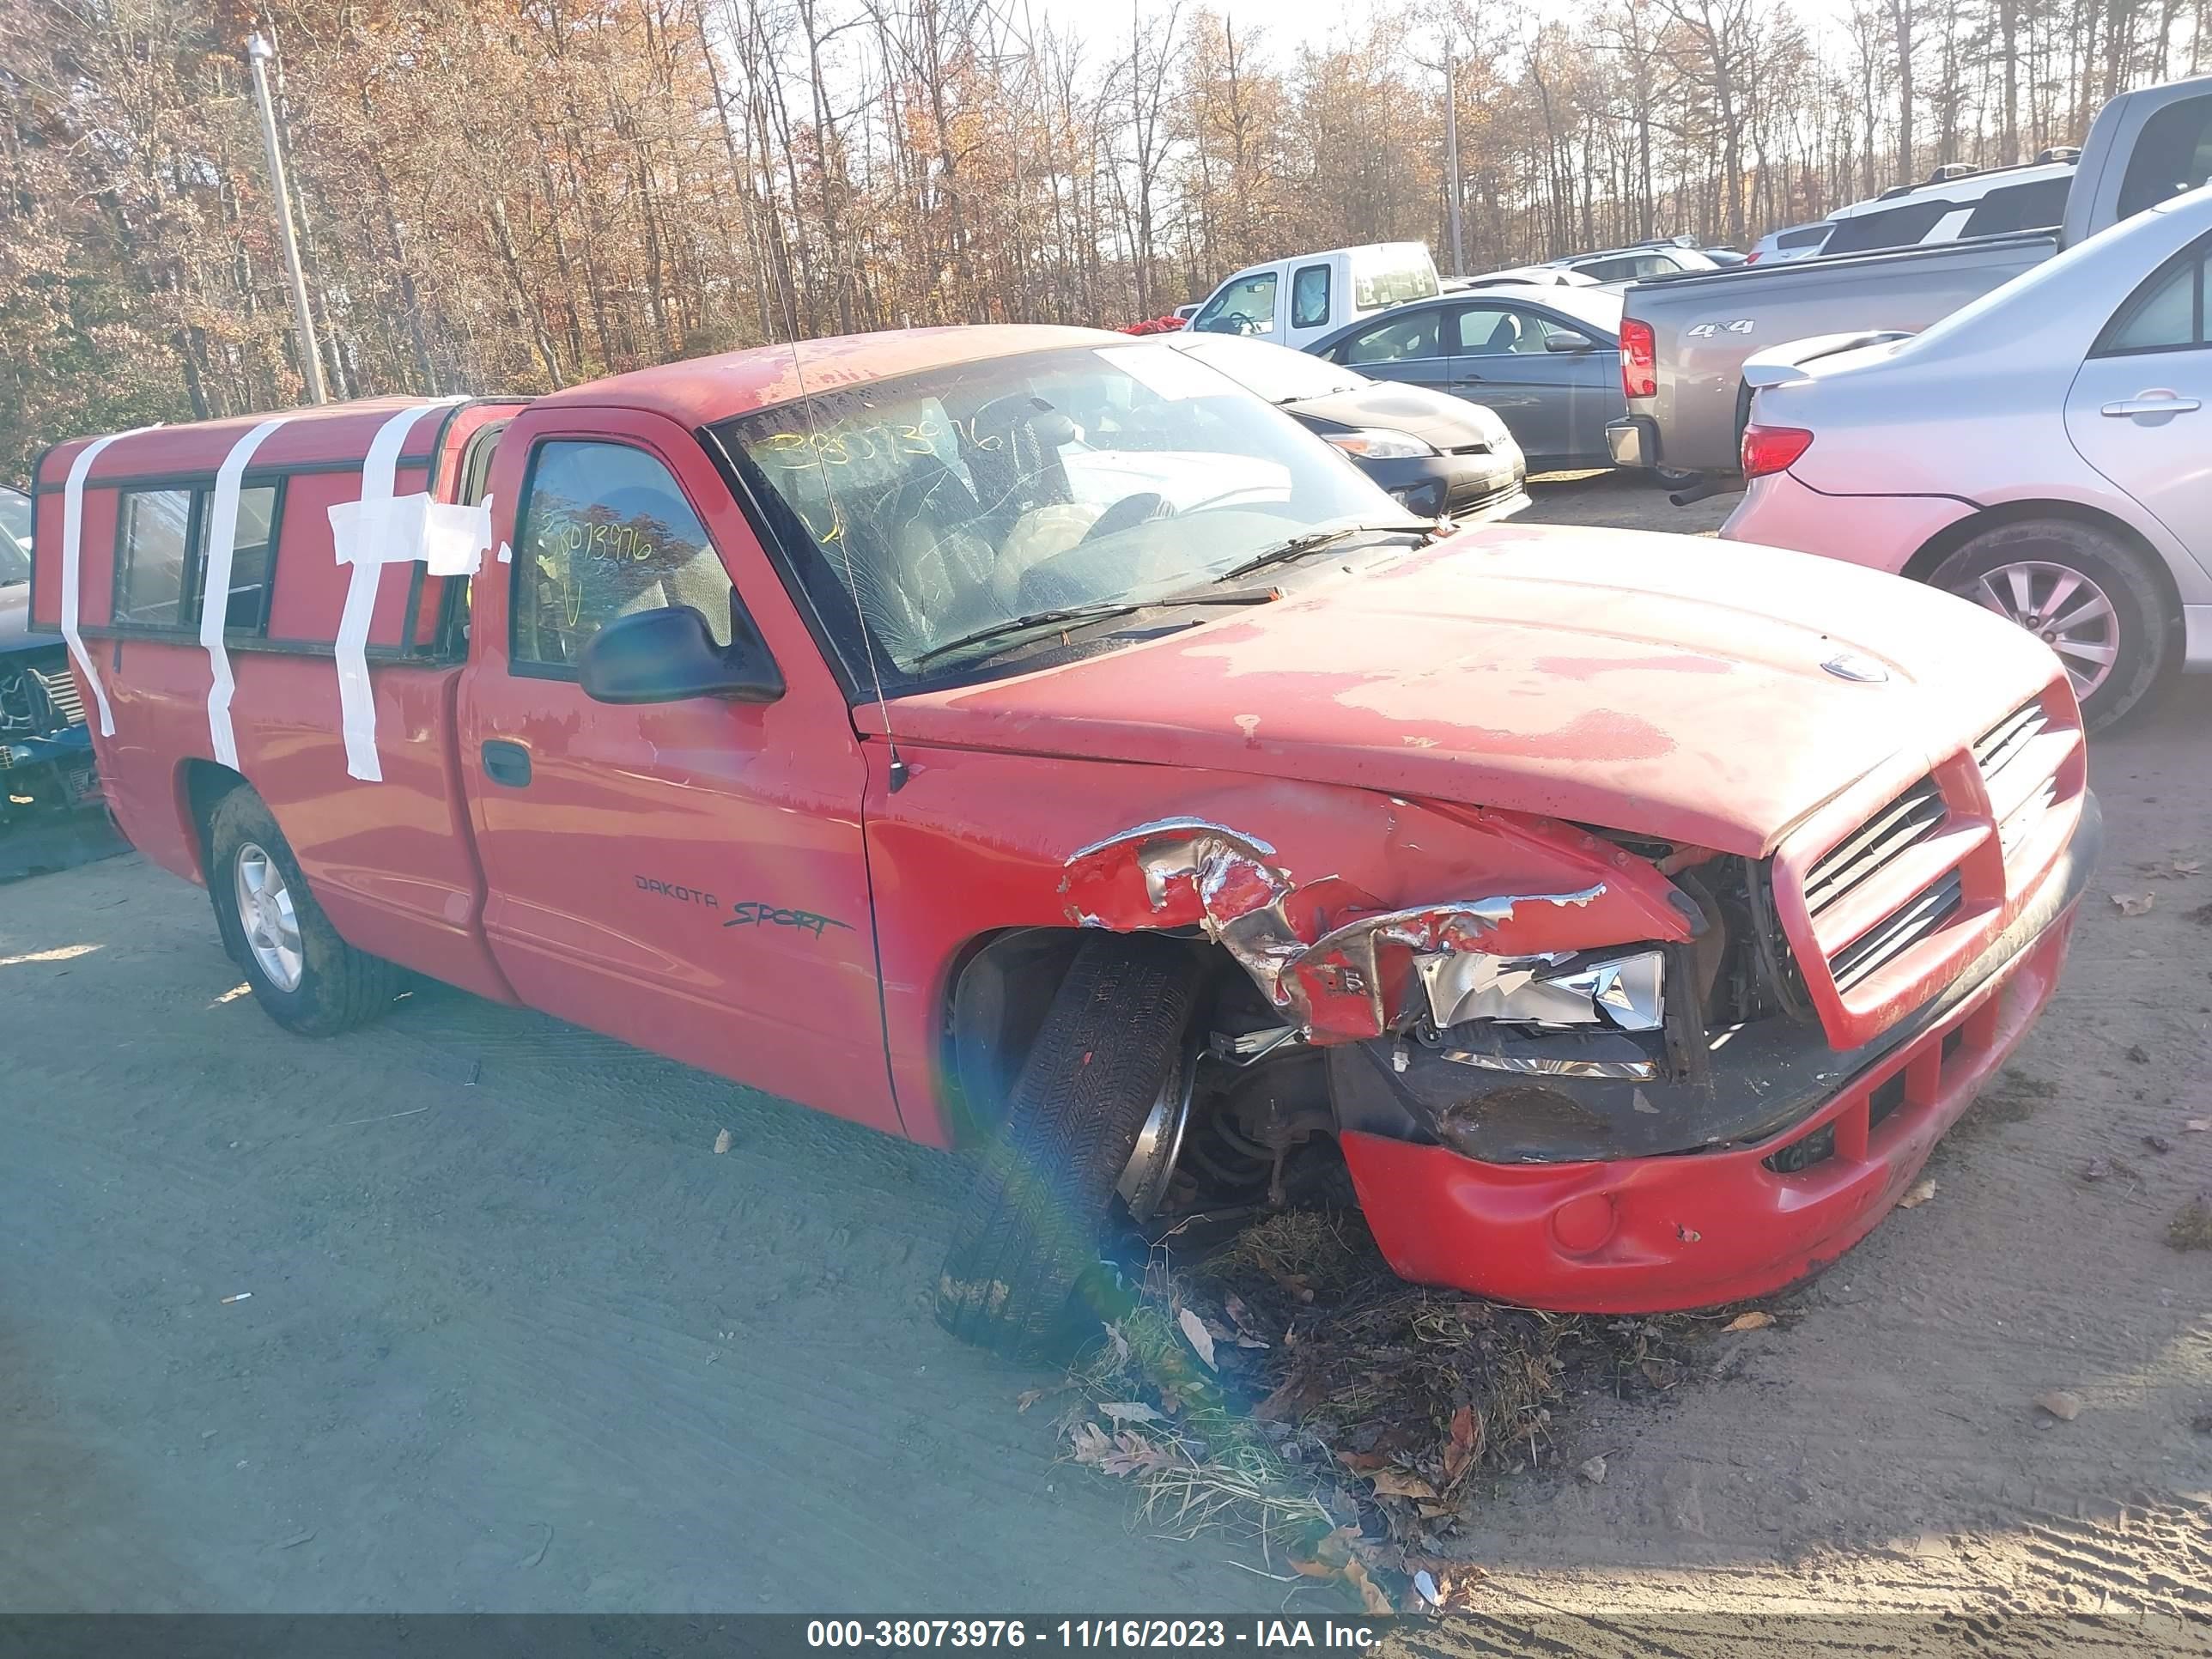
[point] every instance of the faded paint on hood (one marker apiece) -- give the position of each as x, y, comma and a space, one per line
1663, 685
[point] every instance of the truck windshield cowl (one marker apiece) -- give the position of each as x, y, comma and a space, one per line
928, 509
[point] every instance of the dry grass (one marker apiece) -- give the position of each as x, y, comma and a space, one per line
1349, 1416
2192, 1226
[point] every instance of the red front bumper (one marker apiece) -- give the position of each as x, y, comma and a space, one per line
1646, 1234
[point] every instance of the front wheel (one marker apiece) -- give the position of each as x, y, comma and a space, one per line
2086, 594
305, 977
1111, 1046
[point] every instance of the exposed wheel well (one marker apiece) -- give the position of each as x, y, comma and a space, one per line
200, 785
1948, 540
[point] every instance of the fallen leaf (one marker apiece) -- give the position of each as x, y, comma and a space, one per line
2095, 1170
1361, 1463
1754, 1321
2178, 870
1370, 1593
1131, 1411
1593, 1470
722, 1141
1201, 1338
2060, 1404
1026, 1399
2197, 1126
1917, 1194
1424, 1586
2158, 1143
1398, 1483
2134, 904
1460, 1450
2138, 1053
1090, 1442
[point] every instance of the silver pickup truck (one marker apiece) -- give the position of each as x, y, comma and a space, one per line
1684, 339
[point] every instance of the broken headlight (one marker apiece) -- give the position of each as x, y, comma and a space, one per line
1566, 1014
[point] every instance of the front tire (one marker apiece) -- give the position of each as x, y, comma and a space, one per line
305, 977
1037, 1214
2087, 593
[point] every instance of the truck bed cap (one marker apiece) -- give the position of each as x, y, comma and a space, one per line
332, 433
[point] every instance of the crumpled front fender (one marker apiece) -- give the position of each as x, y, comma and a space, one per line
1337, 954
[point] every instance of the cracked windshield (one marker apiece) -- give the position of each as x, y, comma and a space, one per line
949, 503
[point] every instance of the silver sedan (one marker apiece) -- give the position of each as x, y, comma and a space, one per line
2044, 452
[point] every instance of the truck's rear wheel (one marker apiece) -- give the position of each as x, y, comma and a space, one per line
2086, 594
1113, 1040
306, 977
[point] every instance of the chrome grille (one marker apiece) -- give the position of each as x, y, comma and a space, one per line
62, 695
1882, 945
1867, 851
2003, 743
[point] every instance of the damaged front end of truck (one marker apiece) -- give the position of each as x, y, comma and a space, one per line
1659, 1075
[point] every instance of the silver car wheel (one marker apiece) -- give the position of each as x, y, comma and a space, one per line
266, 911
2062, 607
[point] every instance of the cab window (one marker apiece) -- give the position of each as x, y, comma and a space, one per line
2173, 154
1402, 339
1246, 305
1310, 297
605, 532
154, 539
1490, 331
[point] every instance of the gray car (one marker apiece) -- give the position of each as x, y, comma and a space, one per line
2040, 452
1684, 340
1546, 359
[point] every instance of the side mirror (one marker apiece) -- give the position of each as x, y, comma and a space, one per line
668, 655
1566, 340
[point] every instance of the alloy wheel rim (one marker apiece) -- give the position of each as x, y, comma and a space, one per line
266, 913
2062, 607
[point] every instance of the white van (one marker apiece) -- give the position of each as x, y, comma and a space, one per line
1295, 301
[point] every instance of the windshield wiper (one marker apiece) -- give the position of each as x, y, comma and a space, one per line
1091, 612
1284, 551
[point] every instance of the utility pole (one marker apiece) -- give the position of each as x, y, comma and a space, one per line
259, 51
1451, 157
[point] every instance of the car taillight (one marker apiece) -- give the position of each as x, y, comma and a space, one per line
1751, 257
1772, 448
1639, 371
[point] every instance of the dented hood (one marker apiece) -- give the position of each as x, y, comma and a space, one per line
1704, 691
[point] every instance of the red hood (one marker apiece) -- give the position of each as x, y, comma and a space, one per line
1663, 685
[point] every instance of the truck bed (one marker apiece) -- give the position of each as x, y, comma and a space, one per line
1705, 324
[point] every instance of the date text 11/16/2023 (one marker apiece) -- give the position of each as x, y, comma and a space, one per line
1256, 1635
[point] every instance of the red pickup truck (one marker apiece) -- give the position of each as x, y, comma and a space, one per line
1024, 739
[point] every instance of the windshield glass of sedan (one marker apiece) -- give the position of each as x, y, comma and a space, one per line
15, 537
1275, 373
946, 503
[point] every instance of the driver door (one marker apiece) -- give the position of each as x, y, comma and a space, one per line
686, 876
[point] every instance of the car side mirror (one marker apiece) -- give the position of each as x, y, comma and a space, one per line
1566, 340
668, 654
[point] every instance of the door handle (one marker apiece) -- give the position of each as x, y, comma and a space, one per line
2156, 402
507, 763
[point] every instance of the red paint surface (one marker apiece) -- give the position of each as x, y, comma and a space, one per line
1433, 678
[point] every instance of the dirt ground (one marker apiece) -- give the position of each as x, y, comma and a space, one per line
464, 1312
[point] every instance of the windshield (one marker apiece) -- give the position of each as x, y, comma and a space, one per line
1275, 373
15, 537
953, 501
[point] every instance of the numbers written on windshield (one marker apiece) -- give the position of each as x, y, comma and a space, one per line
846, 444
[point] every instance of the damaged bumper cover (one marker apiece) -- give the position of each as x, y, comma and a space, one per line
1587, 1195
